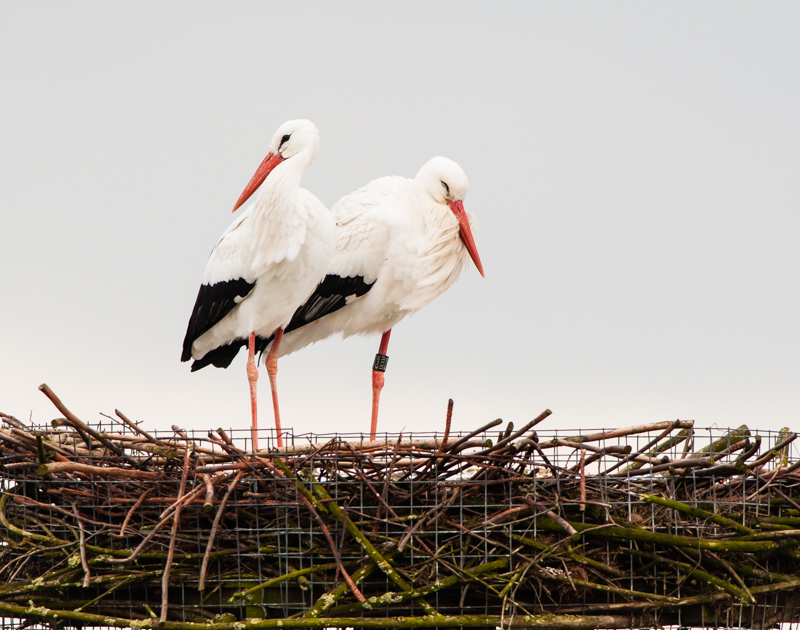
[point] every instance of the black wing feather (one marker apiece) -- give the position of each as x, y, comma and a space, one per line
214, 301
220, 357
330, 295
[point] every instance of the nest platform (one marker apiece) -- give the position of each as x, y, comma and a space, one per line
529, 527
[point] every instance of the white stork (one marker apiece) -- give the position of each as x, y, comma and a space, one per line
400, 244
265, 265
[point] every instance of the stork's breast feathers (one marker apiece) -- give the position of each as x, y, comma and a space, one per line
442, 259
279, 241
281, 228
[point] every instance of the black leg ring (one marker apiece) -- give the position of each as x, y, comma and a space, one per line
381, 361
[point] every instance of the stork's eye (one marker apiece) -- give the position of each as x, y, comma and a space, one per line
285, 139
446, 187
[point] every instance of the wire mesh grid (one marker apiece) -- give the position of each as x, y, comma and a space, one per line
484, 527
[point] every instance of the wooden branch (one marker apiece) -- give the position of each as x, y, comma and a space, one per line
173, 534
98, 471
215, 525
79, 424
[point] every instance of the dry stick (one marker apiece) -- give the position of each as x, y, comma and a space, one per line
683, 435
773, 452
135, 507
28, 536
29, 442
699, 462
565, 622
605, 435
113, 588
582, 504
583, 461
299, 463
388, 478
83, 435
611, 450
738, 445
699, 513
171, 553
501, 517
221, 432
447, 422
12, 420
510, 437
204, 566
139, 429
181, 501
100, 471
79, 424
13, 440
24, 500
698, 574
572, 555
445, 503
474, 534
245, 465
602, 587
731, 437
361, 446
246, 595
336, 555
564, 524
339, 567
618, 533
715, 558
784, 461
786, 498
40, 449
749, 451
452, 447
208, 504
645, 448
82, 547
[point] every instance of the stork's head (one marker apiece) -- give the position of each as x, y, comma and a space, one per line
293, 138
447, 184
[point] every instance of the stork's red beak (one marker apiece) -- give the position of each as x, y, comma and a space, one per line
466, 233
271, 161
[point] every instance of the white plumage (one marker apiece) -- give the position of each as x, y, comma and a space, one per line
400, 243
267, 263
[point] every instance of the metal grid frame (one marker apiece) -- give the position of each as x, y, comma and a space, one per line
267, 530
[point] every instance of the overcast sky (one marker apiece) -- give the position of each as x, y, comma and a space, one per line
634, 168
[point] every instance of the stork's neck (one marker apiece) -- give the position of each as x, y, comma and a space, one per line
442, 238
439, 219
283, 183
442, 255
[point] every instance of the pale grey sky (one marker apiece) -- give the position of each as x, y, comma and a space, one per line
634, 167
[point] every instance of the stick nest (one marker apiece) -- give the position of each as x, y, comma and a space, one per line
657, 524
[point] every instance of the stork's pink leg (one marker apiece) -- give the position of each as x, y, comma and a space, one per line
378, 368
252, 377
272, 370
